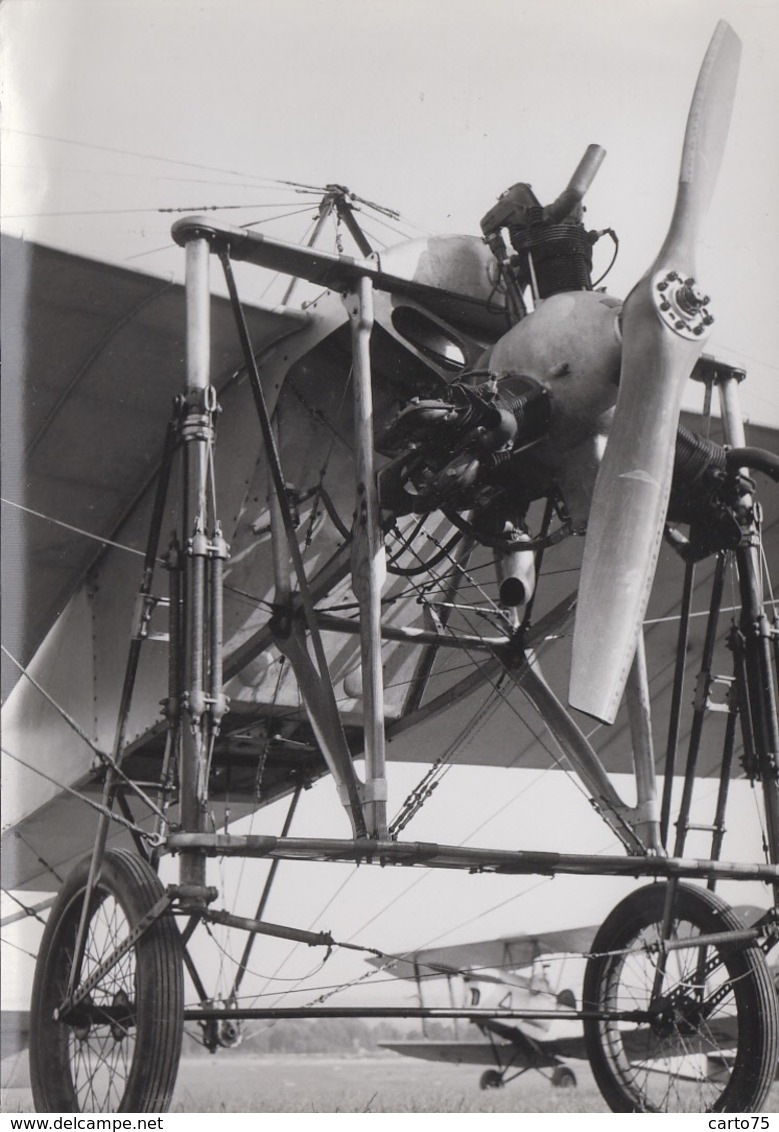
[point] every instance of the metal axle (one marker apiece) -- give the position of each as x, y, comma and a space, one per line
206, 1013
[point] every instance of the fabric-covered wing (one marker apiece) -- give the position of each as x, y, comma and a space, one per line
510, 953
454, 1053
515, 1050
92, 356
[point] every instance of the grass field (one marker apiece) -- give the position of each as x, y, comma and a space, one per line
371, 1084
300, 1083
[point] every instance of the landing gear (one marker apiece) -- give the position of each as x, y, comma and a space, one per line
564, 1078
491, 1079
686, 1028
118, 1049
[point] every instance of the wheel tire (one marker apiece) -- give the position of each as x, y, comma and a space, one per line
564, 1078
118, 1064
724, 1062
491, 1079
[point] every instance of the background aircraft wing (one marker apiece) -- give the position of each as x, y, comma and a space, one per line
453, 1053
509, 953
510, 1047
14, 1032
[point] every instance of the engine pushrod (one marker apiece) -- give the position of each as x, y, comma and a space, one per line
431, 855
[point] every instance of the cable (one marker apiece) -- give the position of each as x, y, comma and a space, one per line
82, 798
49, 868
78, 212
280, 216
257, 974
76, 530
250, 224
613, 260
33, 913
16, 947
234, 207
318, 916
146, 156
104, 756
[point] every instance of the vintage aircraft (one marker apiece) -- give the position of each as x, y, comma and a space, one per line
532, 972
504, 974
389, 550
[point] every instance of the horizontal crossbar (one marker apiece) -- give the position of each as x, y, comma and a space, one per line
433, 856
482, 1014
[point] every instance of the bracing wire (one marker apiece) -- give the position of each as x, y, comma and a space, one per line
492, 606
249, 224
47, 867
104, 756
31, 913
258, 181
100, 809
18, 947
124, 175
280, 216
235, 207
76, 530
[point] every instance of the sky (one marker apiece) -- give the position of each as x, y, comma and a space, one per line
428, 108
115, 109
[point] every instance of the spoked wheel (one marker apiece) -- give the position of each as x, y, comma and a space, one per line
700, 1033
119, 1051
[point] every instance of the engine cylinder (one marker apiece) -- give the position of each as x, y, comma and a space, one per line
553, 257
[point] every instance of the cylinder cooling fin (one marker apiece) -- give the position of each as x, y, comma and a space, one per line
553, 257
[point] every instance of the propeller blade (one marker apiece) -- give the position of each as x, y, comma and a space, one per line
664, 324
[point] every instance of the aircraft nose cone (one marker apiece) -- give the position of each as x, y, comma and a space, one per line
570, 344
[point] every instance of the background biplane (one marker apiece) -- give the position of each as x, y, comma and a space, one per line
440, 311
542, 972
505, 973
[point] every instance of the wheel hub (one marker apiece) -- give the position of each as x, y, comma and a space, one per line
677, 1016
122, 1016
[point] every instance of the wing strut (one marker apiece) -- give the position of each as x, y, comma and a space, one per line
312, 673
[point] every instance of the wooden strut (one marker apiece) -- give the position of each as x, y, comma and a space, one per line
369, 568
290, 636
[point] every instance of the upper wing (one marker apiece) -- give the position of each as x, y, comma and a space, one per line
510, 953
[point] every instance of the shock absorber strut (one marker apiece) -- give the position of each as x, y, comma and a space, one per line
203, 703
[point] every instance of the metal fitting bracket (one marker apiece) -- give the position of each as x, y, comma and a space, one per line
681, 304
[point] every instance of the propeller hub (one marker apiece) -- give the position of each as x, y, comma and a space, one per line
681, 304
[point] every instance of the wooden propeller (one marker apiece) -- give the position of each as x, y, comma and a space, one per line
664, 324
